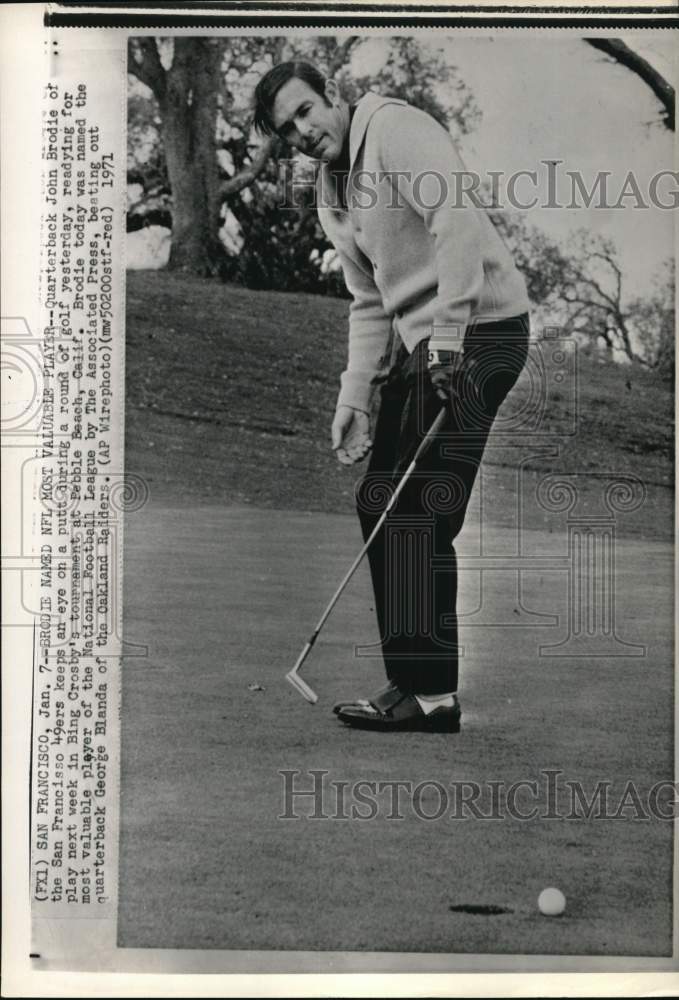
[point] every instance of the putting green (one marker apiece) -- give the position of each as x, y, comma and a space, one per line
224, 599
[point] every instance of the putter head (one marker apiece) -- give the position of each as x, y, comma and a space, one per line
301, 686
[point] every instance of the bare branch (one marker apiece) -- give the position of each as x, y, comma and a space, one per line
148, 68
606, 259
624, 55
584, 279
585, 303
251, 172
573, 316
616, 269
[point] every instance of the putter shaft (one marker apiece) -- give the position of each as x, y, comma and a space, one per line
293, 675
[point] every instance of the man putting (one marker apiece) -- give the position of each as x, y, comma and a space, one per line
437, 305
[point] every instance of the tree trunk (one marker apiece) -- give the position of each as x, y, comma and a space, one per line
188, 100
189, 114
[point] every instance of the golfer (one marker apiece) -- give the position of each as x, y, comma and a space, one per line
439, 317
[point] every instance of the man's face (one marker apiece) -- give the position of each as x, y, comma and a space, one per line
315, 125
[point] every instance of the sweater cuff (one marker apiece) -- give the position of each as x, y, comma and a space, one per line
356, 390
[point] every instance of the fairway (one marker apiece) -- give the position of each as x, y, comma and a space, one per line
224, 598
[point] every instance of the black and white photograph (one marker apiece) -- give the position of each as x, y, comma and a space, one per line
399, 376
338, 432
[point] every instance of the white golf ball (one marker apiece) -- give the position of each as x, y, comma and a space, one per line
552, 902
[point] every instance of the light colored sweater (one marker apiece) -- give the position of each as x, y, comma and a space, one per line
424, 269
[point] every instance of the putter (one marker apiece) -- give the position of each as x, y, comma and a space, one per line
293, 675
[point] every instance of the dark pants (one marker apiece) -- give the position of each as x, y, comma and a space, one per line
412, 560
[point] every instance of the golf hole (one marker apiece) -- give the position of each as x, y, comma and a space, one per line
482, 909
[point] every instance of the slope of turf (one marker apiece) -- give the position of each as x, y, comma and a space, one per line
230, 395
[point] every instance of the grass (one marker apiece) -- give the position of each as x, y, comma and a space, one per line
223, 598
230, 395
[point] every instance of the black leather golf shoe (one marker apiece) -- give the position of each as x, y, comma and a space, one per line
393, 709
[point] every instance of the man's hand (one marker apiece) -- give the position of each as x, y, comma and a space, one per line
351, 435
452, 376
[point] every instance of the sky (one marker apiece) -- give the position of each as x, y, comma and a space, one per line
555, 97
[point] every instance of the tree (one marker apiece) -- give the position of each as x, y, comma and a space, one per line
415, 73
621, 53
149, 192
580, 287
653, 321
540, 259
202, 88
597, 304
280, 249
188, 94
192, 94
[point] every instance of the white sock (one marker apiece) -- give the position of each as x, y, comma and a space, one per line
429, 702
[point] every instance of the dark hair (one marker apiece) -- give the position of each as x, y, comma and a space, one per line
271, 83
